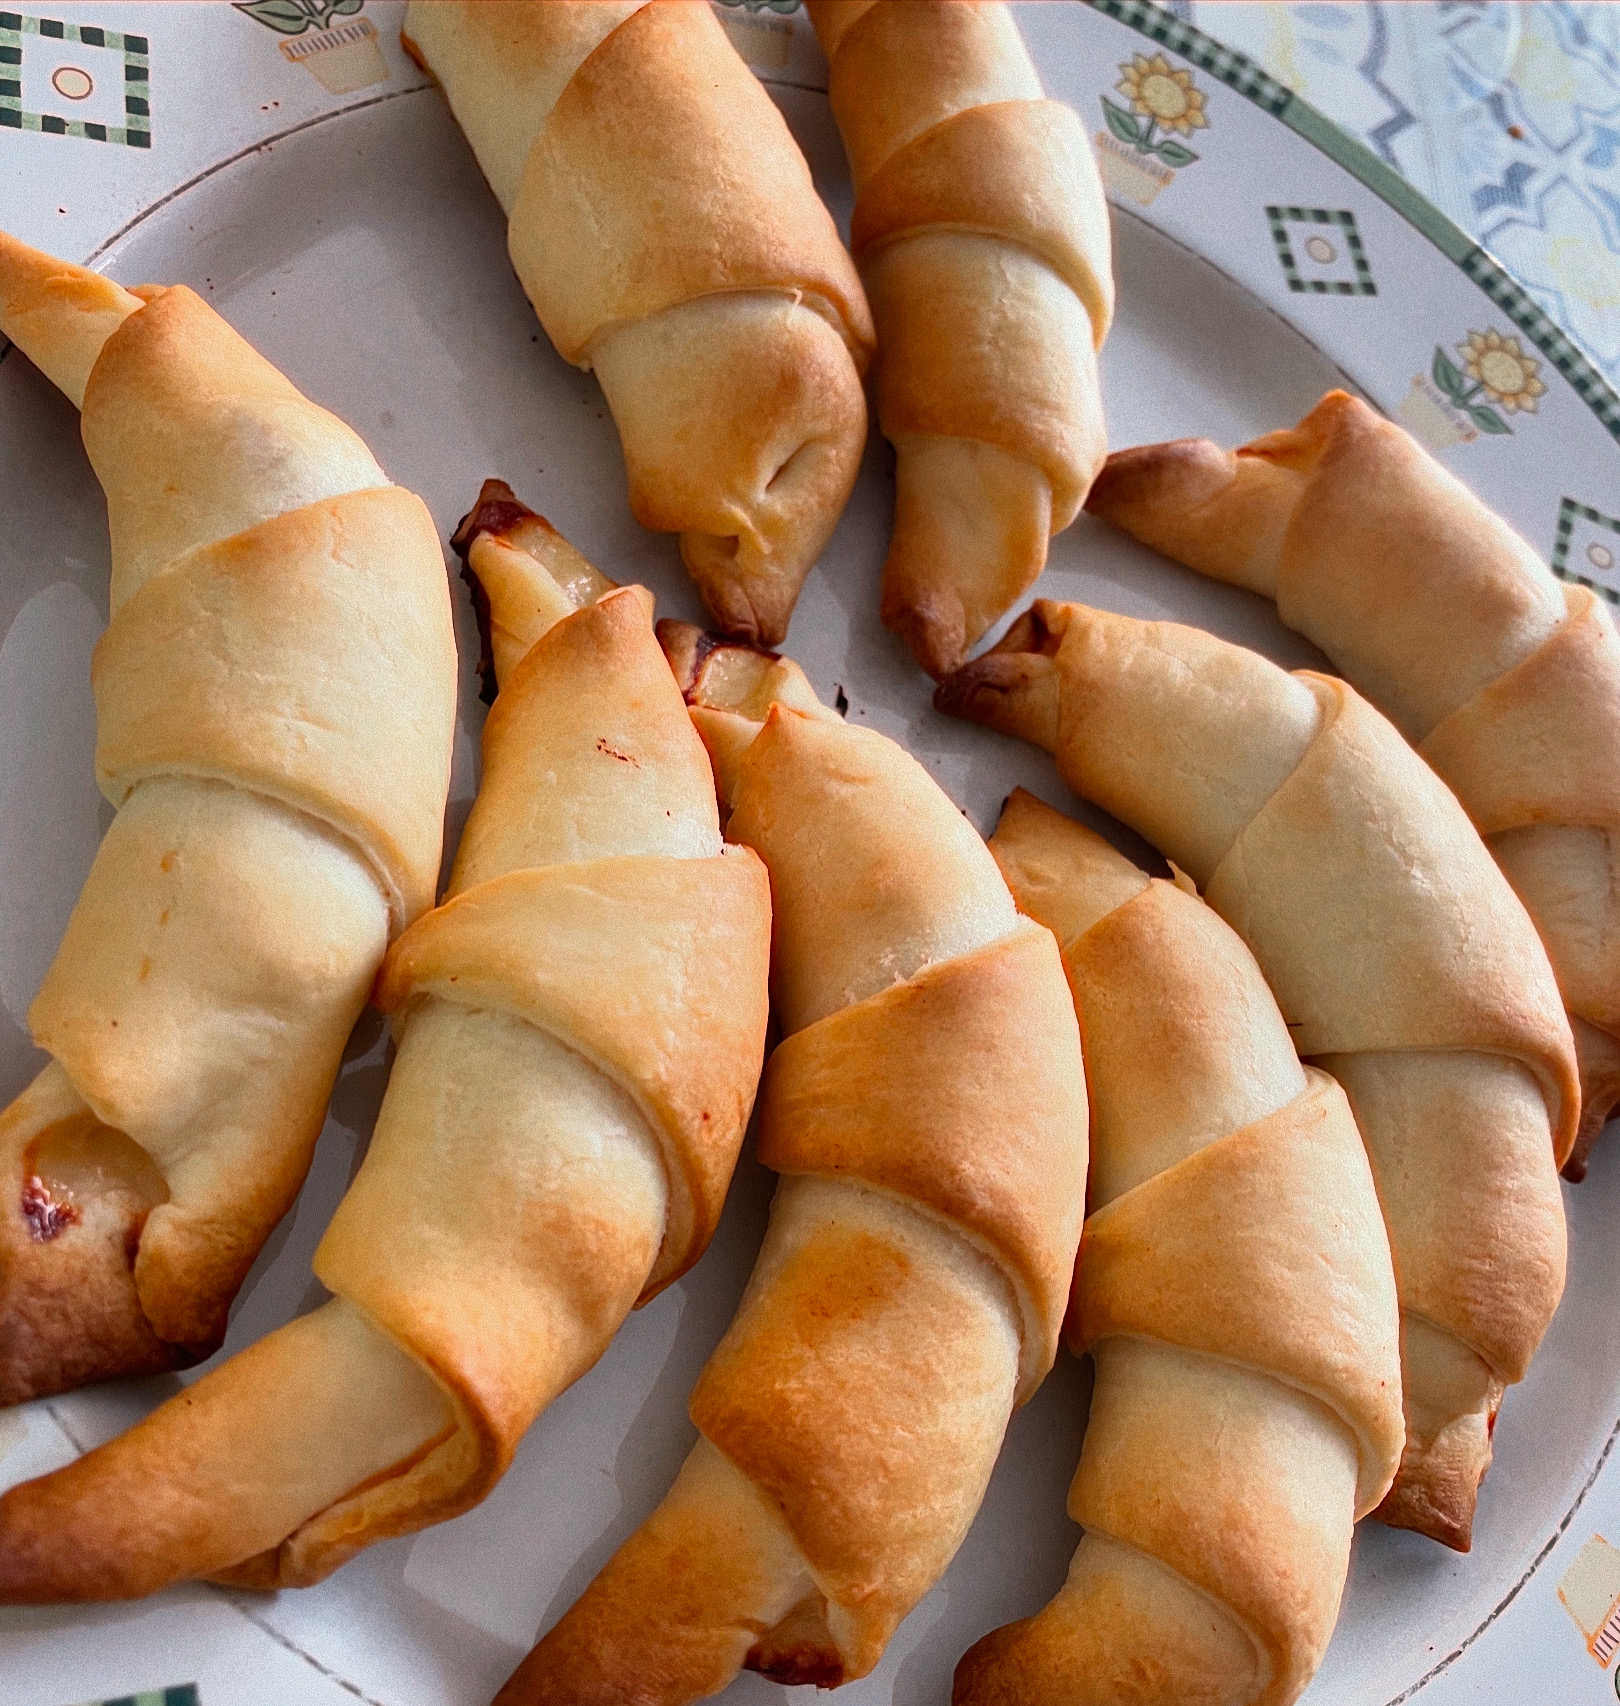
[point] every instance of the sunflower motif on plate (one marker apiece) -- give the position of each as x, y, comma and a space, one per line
1495, 370
1165, 103
1500, 366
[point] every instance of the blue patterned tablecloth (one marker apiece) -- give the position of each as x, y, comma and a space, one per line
1504, 113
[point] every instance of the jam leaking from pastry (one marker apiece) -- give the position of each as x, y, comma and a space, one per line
515, 561
688, 648
498, 511
46, 1217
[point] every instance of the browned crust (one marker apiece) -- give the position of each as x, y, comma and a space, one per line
69, 1310
799, 1652
908, 1091
415, 53
1437, 1487
1598, 1054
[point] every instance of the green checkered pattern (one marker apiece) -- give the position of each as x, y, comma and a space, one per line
136, 130
1345, 222
1569, 512
1593, 389
1232, 68
1247, 79
182, 1694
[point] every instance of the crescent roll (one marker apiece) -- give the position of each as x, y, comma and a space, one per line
665, 228
1506, 679
1235, 1293
982, 236
580, 1025
1400, 957
275, 703
926, 1108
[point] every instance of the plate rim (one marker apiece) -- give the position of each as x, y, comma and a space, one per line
1237, 72
1243, 76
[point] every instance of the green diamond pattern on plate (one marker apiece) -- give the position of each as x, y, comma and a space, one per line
15, 30
1338, 247
181, 1694
1586, 548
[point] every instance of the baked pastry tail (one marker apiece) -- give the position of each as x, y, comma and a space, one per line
982, 236
580, 1027
1235, 1291
664, 225
275, 697
1398, 953
1506, 679
926, 1110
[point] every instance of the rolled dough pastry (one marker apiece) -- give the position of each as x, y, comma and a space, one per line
275, 700
1400, 957
664, 225
926, 1109
1235, 1292
982, 235
580, 1028
1504, 678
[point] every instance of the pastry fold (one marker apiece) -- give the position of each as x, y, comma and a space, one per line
580, 1029
982, 235
1506, 680
927, 1112
1397, 952
665, 228
1235, 1290
275, 697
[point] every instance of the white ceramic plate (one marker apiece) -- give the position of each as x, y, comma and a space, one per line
364, 255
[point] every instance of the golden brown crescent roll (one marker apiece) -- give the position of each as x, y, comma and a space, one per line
927, 1111
982, 236
1504, 678
664, 225
1235, 1292
1397, 952
275, 702
580, 1027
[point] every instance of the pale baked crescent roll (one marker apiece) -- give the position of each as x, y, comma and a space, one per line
1504, 678
982, 236
664, 225
275, 702
1235, 1293
927, 1111
1400, 957
580, 1027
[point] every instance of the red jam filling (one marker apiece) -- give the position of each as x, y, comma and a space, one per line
46, 1217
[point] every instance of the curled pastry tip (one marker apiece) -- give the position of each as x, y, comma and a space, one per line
932, 623
523, 576
50, 1556
498, 511
752, 609
1187, 470
58, 314
1014, 687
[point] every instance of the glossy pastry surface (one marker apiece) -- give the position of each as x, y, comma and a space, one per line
1401, 959
1504, 678
275, 700
1235, 1291
926, 1109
